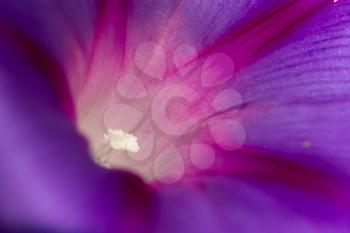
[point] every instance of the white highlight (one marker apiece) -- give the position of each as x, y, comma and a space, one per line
120, 140
146, 145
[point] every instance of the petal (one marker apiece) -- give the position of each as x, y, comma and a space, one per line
183, 22
55, 27
227, 204
297, 94
47, 177
52, 24
37, 126
174, 24
295, 116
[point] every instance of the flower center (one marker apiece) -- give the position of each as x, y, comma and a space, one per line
120, 140
163, 126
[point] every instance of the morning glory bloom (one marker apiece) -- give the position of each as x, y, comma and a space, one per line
172, 116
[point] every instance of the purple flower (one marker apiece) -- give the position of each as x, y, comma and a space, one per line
260, 145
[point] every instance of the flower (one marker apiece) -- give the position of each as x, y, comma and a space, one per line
61, 69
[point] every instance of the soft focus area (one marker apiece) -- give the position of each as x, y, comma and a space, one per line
175, 116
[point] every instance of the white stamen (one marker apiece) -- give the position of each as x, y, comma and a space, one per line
120, 140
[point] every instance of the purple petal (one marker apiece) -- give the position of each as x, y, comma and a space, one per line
295, 98
54, 183
183, 22
297, 94
47, 177
53, 24
222, 204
